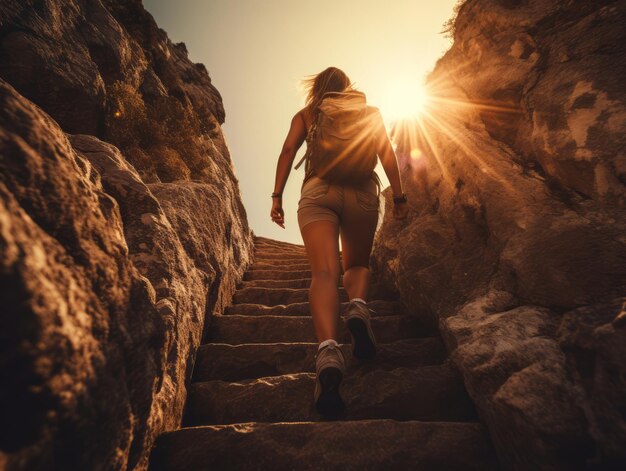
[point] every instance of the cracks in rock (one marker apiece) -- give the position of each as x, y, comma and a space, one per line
569, 196
459, 184
211, 300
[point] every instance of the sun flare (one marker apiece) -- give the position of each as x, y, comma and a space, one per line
404, 99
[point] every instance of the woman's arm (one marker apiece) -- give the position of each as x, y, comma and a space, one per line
388, 157
390, 164
293, 141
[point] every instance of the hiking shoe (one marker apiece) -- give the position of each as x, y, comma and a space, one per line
359, 325
330, 366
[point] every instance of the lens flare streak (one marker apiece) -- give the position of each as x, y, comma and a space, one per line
413, 133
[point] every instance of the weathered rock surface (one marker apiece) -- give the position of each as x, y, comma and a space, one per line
105, 285
214, 233
106, 281
593, 339
515, 239
104, 68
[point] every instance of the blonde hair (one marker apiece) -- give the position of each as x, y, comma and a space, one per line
330, 79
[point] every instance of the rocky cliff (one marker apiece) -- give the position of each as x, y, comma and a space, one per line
104, 68
515, 243
121, 230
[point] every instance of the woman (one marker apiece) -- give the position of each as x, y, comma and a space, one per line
327, 211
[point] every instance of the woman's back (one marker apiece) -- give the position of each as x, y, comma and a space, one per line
342, 137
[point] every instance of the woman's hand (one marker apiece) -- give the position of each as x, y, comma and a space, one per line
400, 210
277, 214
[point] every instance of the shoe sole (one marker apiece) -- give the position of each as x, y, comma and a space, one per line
364, 347
329, 403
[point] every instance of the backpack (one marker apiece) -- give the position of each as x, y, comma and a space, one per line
341, 143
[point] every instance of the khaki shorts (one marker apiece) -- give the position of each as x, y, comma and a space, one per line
353, 204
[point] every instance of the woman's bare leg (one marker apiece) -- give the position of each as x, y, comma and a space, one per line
321, 239
357, 238
356, 280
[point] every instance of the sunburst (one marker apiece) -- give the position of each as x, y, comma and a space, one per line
404, 99
419, 116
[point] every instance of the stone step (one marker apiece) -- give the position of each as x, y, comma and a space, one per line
380, 307
236, 362
280, 266
284, 249
277, 243
276, 274
313, 446
294, 284
266, 240
282, 261
426, 393
235, 329
277, 296
277, 254
375, 290
265, 251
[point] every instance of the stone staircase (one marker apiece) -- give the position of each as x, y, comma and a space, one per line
250, 405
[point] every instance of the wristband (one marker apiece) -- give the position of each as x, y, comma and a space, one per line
400, 199
277, 195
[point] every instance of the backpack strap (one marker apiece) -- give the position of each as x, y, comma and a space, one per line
310, 132
308, 147
301, 160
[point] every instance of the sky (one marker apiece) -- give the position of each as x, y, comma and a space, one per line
256, 51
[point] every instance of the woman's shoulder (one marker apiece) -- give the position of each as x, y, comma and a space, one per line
306, 116
305, 112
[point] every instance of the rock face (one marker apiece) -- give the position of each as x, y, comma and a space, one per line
104, 68
108, 270
515, 243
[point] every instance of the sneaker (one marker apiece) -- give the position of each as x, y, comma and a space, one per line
359, 325
330, 366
